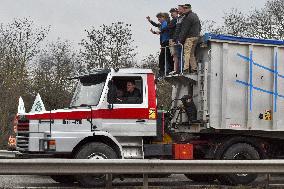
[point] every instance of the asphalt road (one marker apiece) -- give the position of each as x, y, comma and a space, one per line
174, 181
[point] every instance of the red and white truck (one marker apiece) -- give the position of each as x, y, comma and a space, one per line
238, 94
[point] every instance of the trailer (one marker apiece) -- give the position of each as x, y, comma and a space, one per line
237, 96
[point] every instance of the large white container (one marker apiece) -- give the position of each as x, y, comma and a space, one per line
245, 83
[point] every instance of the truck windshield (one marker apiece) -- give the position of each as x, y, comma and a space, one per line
87, 94
89, 89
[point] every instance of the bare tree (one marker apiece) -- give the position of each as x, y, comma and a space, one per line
19, 43
55, 65
276, 10
108, 46
266, 23
150, 62
236, 23
210, 26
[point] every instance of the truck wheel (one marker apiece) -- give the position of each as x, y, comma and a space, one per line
94, 150
64, 179
239, 151
201, 178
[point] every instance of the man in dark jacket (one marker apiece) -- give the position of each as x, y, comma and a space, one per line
172, 29
176, 37
188, 36
190, 108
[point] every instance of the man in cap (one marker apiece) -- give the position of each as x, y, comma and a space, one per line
176, 36
172, 29
188, 36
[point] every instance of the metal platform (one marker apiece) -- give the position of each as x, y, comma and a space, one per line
183, 78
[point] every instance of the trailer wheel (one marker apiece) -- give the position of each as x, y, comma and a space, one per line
94, 150
63, 179
201, 178
239, 151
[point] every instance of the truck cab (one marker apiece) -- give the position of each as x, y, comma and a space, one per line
100, 110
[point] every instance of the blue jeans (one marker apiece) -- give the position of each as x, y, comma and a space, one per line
180, 59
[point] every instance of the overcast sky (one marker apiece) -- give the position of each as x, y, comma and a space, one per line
69, 18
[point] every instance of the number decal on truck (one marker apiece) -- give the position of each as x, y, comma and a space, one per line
152, 113
76, 122
267, 115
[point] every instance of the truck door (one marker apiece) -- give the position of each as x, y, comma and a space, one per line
128, 107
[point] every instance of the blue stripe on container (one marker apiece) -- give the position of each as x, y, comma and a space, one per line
275, 87
250, 80
282, 76
259, 65
259, 89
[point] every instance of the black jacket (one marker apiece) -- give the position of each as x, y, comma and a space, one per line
191, 111
134, 97
178, 27
172, 27
190, 27
135, 93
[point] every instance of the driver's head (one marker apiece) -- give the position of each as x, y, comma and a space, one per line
130, 86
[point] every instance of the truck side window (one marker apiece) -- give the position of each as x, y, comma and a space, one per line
126, 90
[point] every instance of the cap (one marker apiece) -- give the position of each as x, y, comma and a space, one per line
186, 97
174, 10
188, 6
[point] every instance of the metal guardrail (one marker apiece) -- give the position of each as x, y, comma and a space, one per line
126, 166
145, 167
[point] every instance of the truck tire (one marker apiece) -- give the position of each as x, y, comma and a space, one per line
94, 150
205, 178
239, 151
63, 179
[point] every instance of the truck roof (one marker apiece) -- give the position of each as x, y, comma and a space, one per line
106, 71
219, 37
134, 71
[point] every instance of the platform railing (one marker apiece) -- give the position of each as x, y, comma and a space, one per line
181, 61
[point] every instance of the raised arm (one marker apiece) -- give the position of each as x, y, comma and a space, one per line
152, 22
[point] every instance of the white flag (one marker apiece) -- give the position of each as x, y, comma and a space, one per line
38, 105
21, 106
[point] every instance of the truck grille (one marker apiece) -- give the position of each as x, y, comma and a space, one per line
23, 126
22, 141
23, 135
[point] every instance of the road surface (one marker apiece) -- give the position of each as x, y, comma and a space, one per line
174, 181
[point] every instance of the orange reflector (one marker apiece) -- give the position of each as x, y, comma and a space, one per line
12, 141
51, 142
183, 151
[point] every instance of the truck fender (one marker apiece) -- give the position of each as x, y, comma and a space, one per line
107, 134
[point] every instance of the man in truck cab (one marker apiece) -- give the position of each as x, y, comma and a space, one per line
132, 95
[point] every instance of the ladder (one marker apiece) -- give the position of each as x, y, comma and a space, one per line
202, 106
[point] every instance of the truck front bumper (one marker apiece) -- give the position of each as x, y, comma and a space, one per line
6, 154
